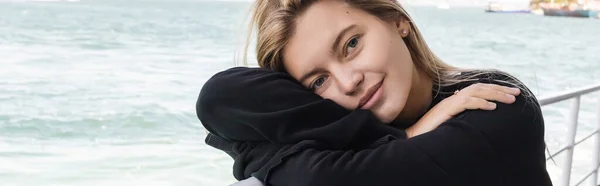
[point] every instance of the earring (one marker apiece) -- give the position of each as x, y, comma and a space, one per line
404, 31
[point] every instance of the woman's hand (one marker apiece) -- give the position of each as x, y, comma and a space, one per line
476, 96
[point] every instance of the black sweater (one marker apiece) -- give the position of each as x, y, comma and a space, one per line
283, 134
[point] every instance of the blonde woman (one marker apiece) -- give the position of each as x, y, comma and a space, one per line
369, 55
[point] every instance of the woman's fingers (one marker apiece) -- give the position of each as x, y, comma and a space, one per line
490, 92
494, 95
480, 96
505, 89
470, 103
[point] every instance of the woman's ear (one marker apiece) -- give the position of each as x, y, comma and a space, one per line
403, 27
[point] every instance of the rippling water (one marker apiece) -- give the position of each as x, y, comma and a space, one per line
103, 92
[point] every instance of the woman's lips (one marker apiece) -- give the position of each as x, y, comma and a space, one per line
371, 97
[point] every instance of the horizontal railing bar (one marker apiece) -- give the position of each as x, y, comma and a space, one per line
556, 153
592, 134
568, 94
586, 177
567, 147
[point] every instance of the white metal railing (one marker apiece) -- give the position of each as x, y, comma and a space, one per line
571, 143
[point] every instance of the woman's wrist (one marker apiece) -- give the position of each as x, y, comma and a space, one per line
410, 131
424, 125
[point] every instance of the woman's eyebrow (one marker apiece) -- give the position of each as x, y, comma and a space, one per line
336, 42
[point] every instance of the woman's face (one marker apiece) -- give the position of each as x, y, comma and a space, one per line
351, 57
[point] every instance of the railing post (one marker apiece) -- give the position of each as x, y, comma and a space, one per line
596, 155
573, 117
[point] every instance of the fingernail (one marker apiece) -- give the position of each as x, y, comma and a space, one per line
515, 90
492, 105
511, 97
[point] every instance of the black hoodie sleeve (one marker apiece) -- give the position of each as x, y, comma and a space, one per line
454, 154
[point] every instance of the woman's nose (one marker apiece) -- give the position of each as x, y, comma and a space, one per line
349, 81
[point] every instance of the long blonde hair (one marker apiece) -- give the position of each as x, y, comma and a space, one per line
274, 21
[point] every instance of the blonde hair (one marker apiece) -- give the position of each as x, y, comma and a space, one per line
275, 23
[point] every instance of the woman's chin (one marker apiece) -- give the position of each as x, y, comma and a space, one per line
386, 119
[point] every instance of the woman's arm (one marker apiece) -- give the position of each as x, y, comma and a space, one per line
454, 154
503, 147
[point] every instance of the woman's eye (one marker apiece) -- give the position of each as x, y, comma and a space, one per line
352, 43
318, 83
